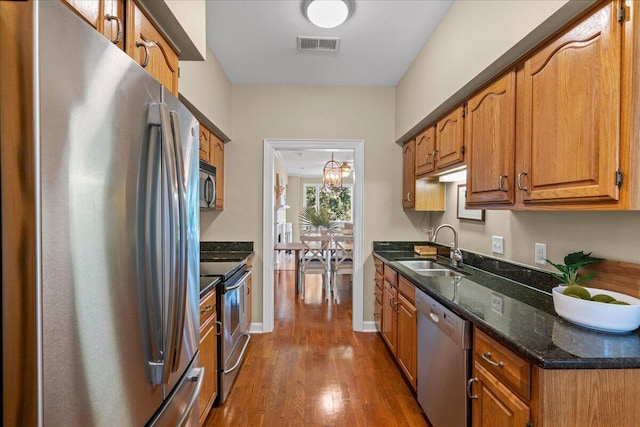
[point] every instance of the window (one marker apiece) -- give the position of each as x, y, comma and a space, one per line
338, 200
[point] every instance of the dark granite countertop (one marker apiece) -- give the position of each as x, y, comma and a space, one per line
528, 323
222, 252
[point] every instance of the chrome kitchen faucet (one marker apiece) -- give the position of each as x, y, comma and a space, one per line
455, 255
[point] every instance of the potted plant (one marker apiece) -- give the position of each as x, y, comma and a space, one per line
316, 221
572, 263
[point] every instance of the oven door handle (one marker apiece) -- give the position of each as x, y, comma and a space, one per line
241, 357
239, 282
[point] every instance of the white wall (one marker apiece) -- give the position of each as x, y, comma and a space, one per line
296, 112
611, 235
205, 85
471, 37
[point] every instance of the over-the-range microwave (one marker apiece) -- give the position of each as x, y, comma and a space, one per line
207, 186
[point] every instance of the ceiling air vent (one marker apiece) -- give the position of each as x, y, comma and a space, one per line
323, 44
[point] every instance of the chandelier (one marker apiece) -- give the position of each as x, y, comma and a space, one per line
332, 174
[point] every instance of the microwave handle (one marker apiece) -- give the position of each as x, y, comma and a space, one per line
209, 194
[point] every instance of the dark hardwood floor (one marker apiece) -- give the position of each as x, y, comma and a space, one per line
313, 370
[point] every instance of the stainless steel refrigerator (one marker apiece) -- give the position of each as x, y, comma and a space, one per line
100, 231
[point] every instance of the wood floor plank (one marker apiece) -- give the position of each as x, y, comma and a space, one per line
314, 370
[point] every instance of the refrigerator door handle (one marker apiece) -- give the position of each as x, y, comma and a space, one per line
160, 355
182, 282
196, 374
173, 282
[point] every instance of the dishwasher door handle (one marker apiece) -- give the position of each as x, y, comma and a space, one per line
434, 317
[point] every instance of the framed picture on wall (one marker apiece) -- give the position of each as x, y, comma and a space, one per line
464, 213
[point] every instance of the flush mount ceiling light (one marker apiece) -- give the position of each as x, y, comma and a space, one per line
328, 13
332, 174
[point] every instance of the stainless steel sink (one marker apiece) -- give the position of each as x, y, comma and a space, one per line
429, 268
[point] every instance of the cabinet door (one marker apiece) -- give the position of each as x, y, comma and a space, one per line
216, 155
408, 174
148, 47
407, 339
495, 405
106, 16
378, 291
389, 316
209, 360
490, 143
570, 127
425, 149
449, 140
205, 144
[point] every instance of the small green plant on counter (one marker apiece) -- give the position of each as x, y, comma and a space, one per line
572, 264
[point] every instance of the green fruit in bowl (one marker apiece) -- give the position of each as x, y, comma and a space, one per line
578, 291
619, 303
603, 298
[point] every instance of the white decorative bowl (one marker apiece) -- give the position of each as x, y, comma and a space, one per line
597, 315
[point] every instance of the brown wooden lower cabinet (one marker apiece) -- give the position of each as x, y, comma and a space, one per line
508, 391
399, 321
208, 354
493, 404
406, 352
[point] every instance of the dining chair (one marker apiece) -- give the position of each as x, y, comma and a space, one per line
315, 259
342, 260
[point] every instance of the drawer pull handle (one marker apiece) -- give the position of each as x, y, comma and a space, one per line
469, 385
206, 309
487, 356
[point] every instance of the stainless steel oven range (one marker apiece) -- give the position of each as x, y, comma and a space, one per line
232, 306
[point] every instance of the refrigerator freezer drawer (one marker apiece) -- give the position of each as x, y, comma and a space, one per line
181, 408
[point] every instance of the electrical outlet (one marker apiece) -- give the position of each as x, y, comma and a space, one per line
497, 244
497, 303
541, 253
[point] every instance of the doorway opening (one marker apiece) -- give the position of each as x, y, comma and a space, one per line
271, 146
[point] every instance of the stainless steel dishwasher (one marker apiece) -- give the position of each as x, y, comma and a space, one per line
443, 363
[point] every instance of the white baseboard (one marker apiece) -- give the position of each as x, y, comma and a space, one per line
256, 328
369, 327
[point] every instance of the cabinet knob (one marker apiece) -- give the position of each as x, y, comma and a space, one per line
469, 385
487, 357
519, 181
500, 179
118, 38
146, 45
206, 309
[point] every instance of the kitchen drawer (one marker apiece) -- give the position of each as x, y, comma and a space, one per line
407, 288
207, 307
378, 263
390, 275
503, 363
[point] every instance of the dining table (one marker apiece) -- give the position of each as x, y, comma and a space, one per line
298, 248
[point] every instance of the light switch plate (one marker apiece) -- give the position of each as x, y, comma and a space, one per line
541, 254
497, 244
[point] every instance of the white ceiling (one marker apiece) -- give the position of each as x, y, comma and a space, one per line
255, 41
310, 162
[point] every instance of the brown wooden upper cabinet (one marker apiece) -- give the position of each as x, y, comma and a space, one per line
136, 34
490, 142
569, 114
419, 194
449, 150
408, 174
216, 156
425, 149
205, 143
149, 48
106, 16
